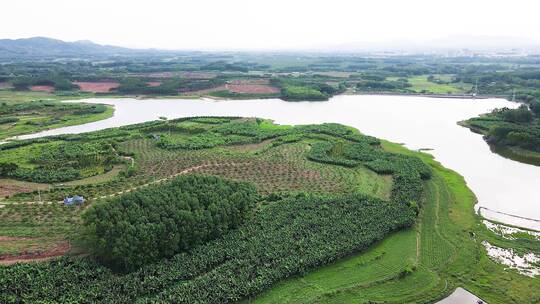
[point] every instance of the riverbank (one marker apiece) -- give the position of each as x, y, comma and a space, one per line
255, 96
444, 95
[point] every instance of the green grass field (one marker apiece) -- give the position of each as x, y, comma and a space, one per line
44, 118
420, 84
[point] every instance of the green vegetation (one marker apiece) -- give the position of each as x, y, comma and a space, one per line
380, 84
415, 84
273, 165
364, 221
300, 76
58, 82
512, 132
295, 93
232, 95
441, 252
437, 85
56, 161
140, 86
293, 89
21, 114
326, 227
162, 220
317, 231
327, 195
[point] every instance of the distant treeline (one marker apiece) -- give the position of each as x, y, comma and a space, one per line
58, 82
293, 89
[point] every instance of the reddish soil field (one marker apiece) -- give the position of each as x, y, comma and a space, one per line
241, 88
96, 87
34, 256
252, 88
42, 88
153, 83
5, 85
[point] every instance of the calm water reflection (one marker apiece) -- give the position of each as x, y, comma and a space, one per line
419, 122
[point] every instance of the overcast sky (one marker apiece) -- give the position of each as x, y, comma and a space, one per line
265, 24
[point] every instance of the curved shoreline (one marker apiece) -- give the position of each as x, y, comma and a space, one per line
130, 111
213, 98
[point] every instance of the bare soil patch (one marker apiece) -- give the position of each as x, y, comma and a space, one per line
206, 91
252, 88
241, 88
96, 87
5, 85
12, 238
251, 147
9, 187
35, 256
42, 88
153, 83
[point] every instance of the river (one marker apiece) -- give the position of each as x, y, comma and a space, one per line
500, 184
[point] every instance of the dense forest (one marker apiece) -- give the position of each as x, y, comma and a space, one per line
511, 127
162, 220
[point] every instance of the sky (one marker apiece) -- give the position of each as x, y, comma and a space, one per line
266, 24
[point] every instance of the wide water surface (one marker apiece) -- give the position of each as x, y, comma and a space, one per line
500, 184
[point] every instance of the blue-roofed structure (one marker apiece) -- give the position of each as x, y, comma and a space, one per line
74, 200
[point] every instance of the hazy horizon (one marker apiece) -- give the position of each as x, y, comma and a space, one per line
279, 25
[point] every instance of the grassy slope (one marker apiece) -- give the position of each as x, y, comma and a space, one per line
448, 256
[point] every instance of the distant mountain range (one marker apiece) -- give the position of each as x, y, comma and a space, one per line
480, 44
46, 47
42, 47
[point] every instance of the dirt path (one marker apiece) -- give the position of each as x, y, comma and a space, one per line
64, 247
185, 171
36, 256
